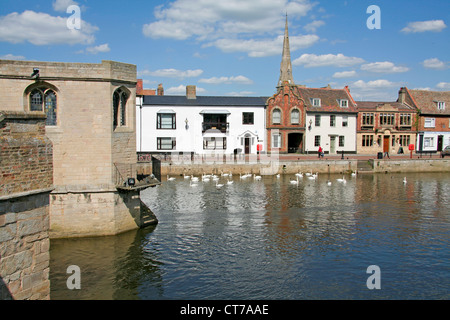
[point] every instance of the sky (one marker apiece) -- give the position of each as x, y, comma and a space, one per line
234, 47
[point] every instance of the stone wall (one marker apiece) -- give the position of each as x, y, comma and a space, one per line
413, 165
25, 184
89, 153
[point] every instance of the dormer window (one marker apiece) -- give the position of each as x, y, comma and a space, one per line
441, 105
315, 102
343, 103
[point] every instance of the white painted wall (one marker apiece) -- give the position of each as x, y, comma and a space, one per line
326, 131
190, 138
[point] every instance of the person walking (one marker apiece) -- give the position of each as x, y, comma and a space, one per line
320, 152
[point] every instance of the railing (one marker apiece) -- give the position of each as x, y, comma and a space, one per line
221, 126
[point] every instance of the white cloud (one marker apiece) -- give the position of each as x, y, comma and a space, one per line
62, 5
373, 84
10, 56
424, 26
376, 90
241, 93
434, 63
227, 80
97, 49
172, 73
313, 26
181, 90
264, 48
212, 19
443, 86
383, 67
43, 29
326, 60
344, 74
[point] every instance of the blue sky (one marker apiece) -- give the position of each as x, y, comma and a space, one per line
233, 47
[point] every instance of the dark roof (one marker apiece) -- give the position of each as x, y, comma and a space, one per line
329, 99
373, 105
426, 101
204, 101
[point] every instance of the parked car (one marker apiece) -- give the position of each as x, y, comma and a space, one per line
446, 151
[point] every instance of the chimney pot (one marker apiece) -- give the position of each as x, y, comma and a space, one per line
191, 92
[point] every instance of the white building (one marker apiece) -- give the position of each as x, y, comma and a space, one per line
200, 124
331, 120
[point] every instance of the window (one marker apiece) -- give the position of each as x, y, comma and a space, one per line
166, 121
367, 119
295, 116
404, 140
316, 141
341, 141
332, 120
428, 142
429, 122
367, 141
166, 143
441, 105
213, 143
387, 119
315, 102
120, 99
247, 118
276, 116
405, 119
345, 121
43, 99
276, 140
343, 103
317, 120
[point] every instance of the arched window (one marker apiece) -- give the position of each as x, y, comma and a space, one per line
295, 116
44, 99
120, 99
276, 116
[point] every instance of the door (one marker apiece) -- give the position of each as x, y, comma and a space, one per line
440, 143
332, 145
247, 145
386, 140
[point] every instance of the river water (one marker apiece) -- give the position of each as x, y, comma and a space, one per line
271, 239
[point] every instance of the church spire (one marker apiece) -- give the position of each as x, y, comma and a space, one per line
286, 66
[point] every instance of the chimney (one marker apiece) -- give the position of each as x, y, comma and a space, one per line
160, 90
402, 95
191, 92
139, 87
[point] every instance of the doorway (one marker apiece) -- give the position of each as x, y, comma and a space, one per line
386, 140
295, 142
332, 144
247, 145
440, 143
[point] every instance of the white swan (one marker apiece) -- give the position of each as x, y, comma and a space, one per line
230, 182
354, 173
242, 176
404, 180
313, 176
194, 178
218, 185
294, 181
255, 177
329, 183
186, 177
193, 184
170, 178
224, 174
205, 178
300, 174
342, 180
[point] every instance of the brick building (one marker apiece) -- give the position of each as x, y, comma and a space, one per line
385, 127
433, 128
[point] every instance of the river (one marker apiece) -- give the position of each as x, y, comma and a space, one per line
271, 239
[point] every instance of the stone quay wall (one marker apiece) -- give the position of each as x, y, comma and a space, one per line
26, 178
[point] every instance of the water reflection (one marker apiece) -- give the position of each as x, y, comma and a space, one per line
270, 239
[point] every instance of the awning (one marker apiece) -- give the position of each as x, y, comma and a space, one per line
213, 111
166, 111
